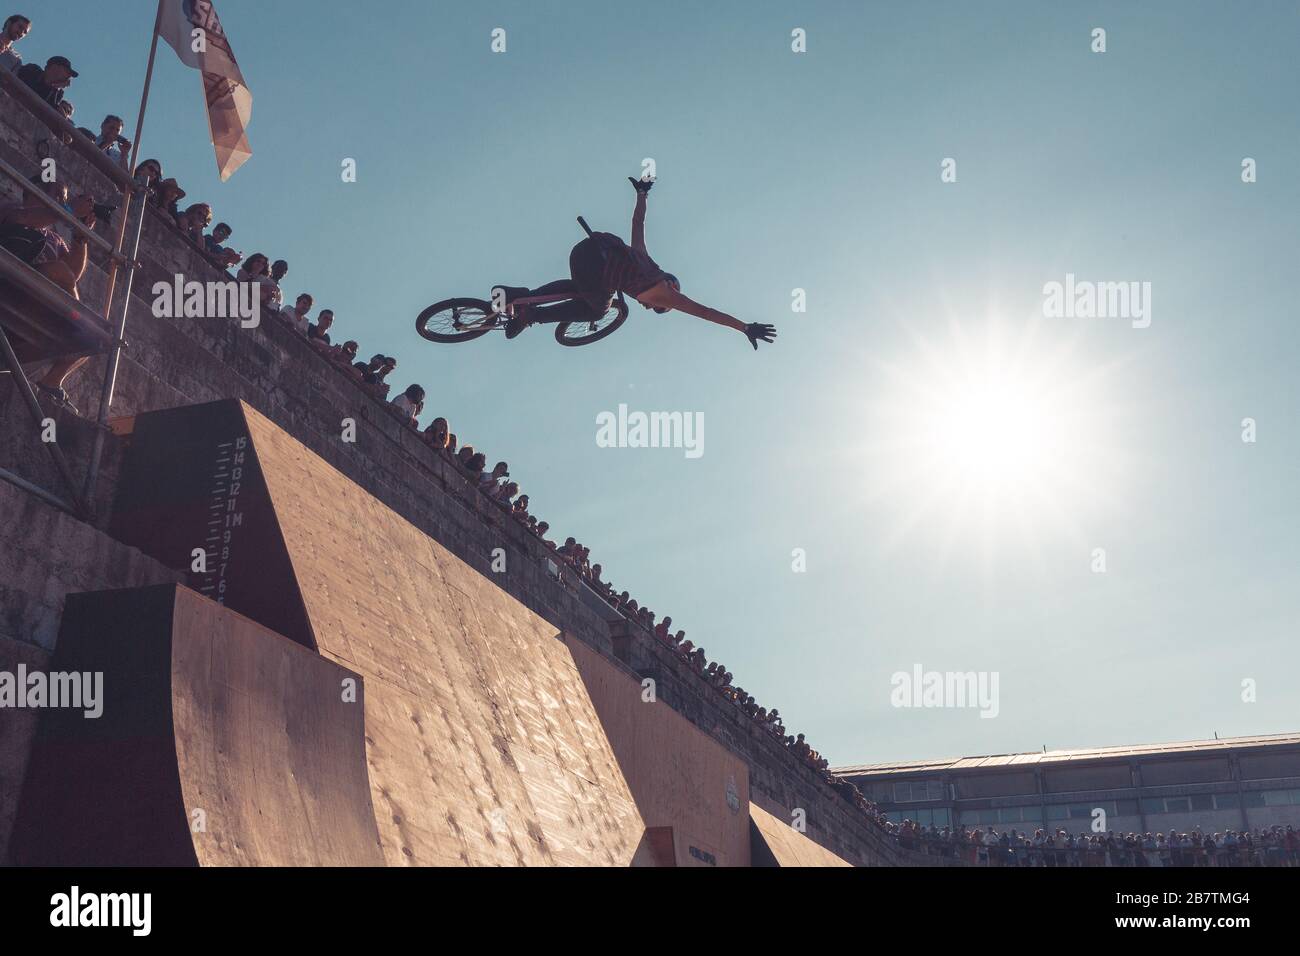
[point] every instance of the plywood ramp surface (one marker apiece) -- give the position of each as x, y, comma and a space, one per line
483, 745
681, 779
786, 845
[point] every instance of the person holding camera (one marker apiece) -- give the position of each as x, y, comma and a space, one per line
112, 143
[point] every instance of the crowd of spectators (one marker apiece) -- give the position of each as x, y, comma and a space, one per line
29, 230
1263, 846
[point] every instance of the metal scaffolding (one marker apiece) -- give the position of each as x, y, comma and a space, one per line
39, 322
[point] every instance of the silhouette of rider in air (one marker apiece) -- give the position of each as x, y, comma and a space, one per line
603, 264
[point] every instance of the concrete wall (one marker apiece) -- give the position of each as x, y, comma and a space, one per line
179, 362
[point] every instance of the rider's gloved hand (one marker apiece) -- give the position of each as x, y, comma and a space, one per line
641, 185
758, 332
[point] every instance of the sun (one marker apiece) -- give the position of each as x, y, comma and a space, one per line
992, 429
988, 433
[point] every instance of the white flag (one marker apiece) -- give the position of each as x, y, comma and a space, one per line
192, 29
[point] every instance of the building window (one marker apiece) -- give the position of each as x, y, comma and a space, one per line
1227, 801
918, 790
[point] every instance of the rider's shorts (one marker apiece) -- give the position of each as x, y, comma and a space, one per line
587, 267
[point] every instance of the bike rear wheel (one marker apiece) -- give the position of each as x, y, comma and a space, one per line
456, 320
586, 331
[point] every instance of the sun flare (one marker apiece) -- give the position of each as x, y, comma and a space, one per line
990, 433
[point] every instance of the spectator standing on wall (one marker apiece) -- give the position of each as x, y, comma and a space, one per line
214, 243
296, 315
318, 334
437, 434
409, 404
279, 269
49, 82
254, 269
16, 27
111, 142
169, 194
344, 355
149, 174
505, 493
489, 482
194, 221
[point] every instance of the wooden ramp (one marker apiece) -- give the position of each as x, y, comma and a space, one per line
776, 843
218, 743
692, 792
482, 742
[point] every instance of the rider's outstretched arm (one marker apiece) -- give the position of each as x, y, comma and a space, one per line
668, 297
642, 187
638, 222
665, 296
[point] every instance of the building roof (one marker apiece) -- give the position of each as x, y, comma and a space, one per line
1066, 756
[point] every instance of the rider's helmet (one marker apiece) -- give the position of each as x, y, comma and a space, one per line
672, 280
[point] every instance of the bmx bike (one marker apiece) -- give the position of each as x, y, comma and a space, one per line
464, 319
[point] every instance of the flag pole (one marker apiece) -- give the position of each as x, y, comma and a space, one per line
115, 357
148, 80
135, 153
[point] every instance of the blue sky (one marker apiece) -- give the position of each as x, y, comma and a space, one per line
820, 171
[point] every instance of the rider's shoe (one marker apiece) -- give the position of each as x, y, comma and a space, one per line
518, 321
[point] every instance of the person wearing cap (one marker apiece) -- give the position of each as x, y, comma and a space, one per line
50, 82
16, 27
168, 195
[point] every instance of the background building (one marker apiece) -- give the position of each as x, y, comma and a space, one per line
1234, 783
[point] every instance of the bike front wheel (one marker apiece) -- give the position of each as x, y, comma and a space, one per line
586, 331
456, 320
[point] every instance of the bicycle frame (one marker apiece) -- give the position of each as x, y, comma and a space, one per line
509, 310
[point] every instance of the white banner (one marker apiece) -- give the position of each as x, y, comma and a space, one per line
192, 29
